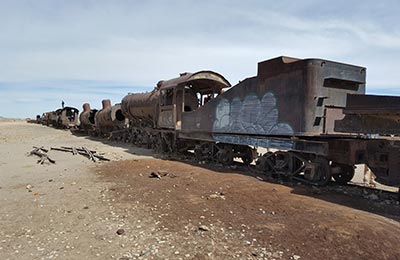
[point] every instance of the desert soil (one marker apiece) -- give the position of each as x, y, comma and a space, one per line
78, 209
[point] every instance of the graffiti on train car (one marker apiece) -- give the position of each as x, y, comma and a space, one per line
251, 116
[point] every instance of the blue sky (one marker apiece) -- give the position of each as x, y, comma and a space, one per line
85, 51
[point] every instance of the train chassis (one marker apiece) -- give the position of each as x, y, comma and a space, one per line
291, 165
312, 169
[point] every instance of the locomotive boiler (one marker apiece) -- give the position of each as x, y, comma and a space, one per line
86, 118
109, 118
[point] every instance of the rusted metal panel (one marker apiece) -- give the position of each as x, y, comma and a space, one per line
371, 114
348, 151
214, 80
288, 97
332, 114
384, 161
166, 118
372, 104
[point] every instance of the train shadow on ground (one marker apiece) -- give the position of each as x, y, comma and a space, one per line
344, 195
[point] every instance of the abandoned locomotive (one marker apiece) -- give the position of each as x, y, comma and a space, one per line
313, 114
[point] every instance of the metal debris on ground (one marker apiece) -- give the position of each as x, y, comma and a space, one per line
42, 153
161, 173
91, 154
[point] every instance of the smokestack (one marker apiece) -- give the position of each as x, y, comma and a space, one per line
106, 103
86, 107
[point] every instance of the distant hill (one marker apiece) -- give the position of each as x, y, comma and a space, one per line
2, 118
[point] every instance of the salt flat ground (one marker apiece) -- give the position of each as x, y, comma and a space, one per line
78, 209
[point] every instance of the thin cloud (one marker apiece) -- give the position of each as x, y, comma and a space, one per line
100, 49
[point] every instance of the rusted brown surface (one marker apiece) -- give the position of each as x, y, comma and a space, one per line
68, 117
371, 114
141, 107
87, 117
163, 106
287, 97
109, 118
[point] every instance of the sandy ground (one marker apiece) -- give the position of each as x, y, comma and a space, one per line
78, 209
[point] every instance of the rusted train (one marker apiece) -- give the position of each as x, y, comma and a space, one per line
66, 117
314, 113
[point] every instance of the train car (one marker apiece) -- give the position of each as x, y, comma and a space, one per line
66, 117
51, 118
293, 105
87, 119
109, 118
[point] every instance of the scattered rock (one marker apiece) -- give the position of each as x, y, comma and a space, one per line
120, 231
215, 196
61, 188
51, 180
86, 207
296, 257
203, 228
29, 187
155, 175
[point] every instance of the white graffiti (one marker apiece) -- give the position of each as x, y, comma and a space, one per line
251, 115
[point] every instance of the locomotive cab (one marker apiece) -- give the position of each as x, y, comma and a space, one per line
185, 94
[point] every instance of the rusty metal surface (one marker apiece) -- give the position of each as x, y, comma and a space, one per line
103, 119
67, 117
372, 105
118, 118
371, 114
87, 116
288, 97
384, 161
141, 107
109, 118
214, 80
155, 109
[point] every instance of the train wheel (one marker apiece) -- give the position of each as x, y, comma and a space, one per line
247, 159
266, 163
246, 154
345, 173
